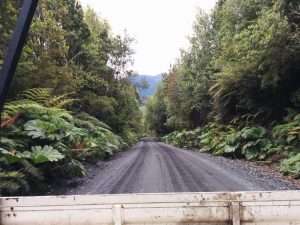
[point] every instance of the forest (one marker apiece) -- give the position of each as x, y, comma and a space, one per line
71, 100
235, 91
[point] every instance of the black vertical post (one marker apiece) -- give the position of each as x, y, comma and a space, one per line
15, 47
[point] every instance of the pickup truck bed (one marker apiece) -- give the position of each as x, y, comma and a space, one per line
236, 208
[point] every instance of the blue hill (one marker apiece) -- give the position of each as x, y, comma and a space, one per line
152, 81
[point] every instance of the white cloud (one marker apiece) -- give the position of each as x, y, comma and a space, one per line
159, 26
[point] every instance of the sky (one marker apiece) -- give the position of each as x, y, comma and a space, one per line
160, 27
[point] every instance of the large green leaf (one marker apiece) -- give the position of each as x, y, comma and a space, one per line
291, 166
254, 132
248, 145
251, 153
265, 144
251, 150
14, 156
205, 141
45, 154
233, 138
33, 130
46, 130
230, 148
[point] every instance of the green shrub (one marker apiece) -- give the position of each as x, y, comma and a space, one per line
291, 166
287, 137
40, 143
250, 142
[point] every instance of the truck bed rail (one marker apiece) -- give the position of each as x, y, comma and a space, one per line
239, 208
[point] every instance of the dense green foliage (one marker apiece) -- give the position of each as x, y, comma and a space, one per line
235, 91
251, 143
41, 142
71, 100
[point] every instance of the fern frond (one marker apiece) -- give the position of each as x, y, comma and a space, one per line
45, 97
14, 107
64, 102
31, 108
61, 101
38, 95
93, 120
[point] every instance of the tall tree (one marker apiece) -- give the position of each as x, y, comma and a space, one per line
257, 59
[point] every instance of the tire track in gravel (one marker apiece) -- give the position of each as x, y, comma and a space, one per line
193, 177
126, 182
206, 177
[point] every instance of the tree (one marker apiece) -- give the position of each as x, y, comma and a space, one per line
156, 113
8, 17
121, 56
97, 51
70, 15
43, 57
74, 52
257, 60
187, 83
242, 65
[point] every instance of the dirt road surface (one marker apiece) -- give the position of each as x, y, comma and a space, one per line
152, 167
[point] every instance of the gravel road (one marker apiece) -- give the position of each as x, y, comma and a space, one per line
151, 167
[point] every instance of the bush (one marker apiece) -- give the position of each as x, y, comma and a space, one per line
251, 143
40, 143
287, 137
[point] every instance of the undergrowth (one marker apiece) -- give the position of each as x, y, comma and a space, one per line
42, 141
249, 142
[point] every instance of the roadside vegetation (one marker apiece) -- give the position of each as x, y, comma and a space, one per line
236, 91
71, 100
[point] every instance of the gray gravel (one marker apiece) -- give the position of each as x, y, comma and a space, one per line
152, 167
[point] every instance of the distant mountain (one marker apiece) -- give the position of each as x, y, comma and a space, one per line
153, 81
